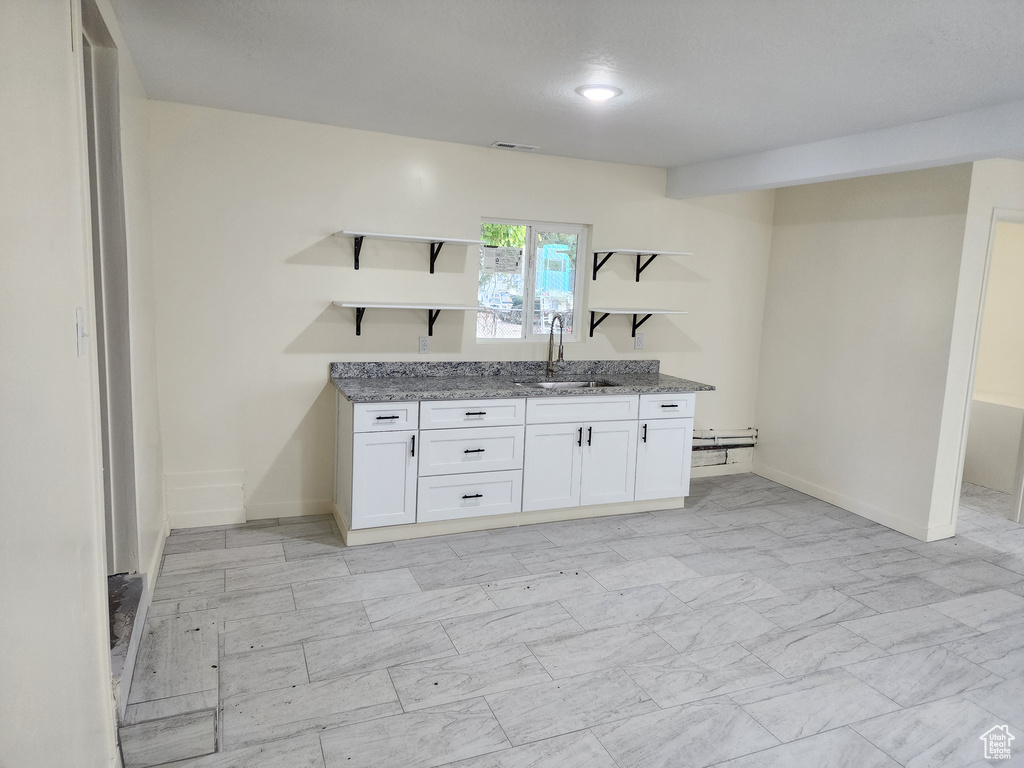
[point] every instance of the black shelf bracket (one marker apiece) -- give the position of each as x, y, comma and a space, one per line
646, 264
599, 264
357, 246
596, 322
431, 318
359, 317
435, 248
637, 325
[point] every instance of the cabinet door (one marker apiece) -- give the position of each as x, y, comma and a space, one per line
663, 459
609, 462
551, 472
383, 479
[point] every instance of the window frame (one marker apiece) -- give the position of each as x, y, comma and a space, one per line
530, 277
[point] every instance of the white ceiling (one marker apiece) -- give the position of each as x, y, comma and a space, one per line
702, 79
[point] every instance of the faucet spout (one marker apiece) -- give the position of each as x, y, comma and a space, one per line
552, 364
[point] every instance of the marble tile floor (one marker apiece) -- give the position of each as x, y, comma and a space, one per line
982, 499
756, 627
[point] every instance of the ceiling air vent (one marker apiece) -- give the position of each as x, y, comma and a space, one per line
518, 147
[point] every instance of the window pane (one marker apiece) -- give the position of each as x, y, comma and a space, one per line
502, 281
556, 279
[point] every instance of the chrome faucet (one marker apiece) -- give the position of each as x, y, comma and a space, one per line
551, 369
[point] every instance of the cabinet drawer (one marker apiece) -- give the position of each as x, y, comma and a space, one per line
449, 497
667, 406
558, 410
383, 417
499, 412
472, 449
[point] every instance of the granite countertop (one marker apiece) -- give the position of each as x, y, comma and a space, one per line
392, 382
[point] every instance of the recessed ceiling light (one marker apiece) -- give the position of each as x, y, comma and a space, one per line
598, 92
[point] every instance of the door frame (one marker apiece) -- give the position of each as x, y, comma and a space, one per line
108, 245
998, 215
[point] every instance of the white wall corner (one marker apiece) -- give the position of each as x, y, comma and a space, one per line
991, 132
195, 499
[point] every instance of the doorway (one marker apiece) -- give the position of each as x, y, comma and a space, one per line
993, 475
110, 283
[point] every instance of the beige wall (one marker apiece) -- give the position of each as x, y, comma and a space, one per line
55, 703
859, 311
244, 208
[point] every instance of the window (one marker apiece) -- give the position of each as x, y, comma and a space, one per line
530, 272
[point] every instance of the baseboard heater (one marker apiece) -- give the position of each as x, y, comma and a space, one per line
723, 446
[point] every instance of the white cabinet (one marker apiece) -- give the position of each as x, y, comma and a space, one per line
471, 458
551, 469
475, 449
442, 414
383, 478
449, 497
667, 406
562, 410
409, 462
663, 458
609, 462
378, 417
568, 465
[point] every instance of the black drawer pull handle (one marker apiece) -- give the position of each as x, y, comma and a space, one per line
414, 445
473, 496
674, 405
385, 418
645, 433
474, 450
590, 434
476, 413
579, 438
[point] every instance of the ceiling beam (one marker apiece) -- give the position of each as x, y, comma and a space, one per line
963, 137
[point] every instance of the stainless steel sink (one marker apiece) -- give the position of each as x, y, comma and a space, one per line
564, 384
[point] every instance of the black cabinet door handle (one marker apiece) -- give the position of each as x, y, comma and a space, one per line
385, 418
476, 413
414, 445
579, 438
473, 496
673, 405
474, 450
590, 434
645, 433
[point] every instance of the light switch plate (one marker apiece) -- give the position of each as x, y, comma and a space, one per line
424, 345
638, 341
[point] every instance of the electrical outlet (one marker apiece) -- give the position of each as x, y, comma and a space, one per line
638, 341
424, 345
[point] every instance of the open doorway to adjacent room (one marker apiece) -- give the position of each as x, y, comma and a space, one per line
993, 476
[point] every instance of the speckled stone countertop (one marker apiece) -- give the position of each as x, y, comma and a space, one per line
392, 382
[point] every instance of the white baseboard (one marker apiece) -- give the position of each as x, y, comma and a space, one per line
207, 517
288, 509
488, 522
716, 470
850, 504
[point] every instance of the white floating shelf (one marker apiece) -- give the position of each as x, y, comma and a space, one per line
433, 310
604, 312
638, 252
435, 242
